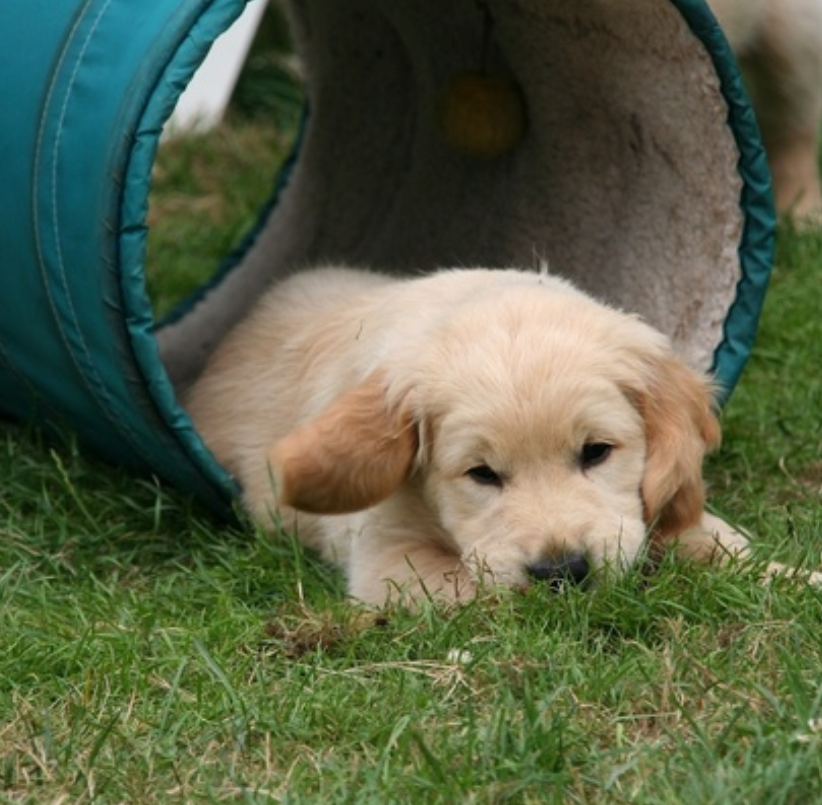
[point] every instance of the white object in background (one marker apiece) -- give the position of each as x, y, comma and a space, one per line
205, 99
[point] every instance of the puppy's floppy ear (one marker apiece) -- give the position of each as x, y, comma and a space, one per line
680, 427
353, 455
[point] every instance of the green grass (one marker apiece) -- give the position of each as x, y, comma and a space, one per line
208, 191
150, 654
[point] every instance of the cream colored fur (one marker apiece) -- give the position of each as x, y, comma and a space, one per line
357, 409
779, 45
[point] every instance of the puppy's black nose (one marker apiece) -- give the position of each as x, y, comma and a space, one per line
571, 568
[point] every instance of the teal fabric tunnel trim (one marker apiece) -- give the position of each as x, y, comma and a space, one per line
756, 249
76, 336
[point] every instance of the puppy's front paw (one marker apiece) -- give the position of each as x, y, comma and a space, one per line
407, 574
776, 570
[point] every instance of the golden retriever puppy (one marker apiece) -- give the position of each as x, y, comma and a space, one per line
779, 46
468, 428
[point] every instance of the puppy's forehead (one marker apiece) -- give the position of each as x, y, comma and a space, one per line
532, 372
542, 408
526, 338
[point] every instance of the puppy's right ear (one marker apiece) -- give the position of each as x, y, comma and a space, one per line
356, 453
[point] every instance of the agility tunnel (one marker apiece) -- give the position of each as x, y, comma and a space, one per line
612, 139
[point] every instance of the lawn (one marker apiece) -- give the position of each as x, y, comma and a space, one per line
151, 654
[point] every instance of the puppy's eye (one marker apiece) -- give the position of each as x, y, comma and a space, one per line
484, 475
594, 453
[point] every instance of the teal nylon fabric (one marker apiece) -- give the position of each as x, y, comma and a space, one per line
88, 85
757, 246
97, 80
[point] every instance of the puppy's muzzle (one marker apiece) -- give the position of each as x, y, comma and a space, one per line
570, 568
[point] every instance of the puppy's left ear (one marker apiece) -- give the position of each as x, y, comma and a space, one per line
356, 453
681, 427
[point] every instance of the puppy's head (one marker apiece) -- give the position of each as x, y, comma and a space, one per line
546, 436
